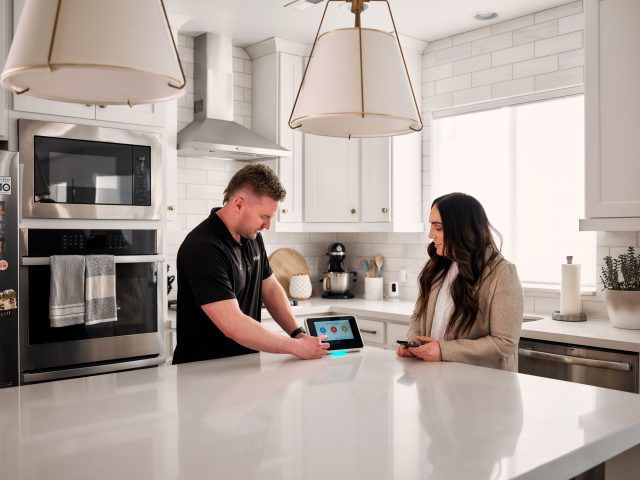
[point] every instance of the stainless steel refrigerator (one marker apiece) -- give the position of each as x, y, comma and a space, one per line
9, 363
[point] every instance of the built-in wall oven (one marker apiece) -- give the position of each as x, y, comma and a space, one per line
134, 340
86, 172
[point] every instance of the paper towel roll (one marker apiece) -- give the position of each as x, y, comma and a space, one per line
569, 288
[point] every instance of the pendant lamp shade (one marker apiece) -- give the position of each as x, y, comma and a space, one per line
356, 85
104, 52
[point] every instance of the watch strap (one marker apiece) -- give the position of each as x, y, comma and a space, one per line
297, 332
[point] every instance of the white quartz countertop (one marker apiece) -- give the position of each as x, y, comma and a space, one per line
595, 332
367, 415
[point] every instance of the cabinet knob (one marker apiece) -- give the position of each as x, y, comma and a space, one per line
171, 208
285, 210
353, 210
385, 210
102, 106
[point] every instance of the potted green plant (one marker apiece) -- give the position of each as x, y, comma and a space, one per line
621, 279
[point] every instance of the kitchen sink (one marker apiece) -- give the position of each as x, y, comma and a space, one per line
531, 318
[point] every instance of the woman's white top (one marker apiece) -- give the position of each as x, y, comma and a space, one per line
444, 304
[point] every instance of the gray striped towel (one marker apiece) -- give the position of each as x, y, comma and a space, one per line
100, 289
66, 294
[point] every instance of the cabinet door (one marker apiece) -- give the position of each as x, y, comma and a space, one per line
4, 27
611, 104
376, 163
332, 179
151, 114
290, 169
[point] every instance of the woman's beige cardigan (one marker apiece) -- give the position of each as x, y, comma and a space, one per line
493, 339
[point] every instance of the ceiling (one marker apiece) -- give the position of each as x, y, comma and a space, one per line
251, 21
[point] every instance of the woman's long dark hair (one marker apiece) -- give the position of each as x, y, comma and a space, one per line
468, 240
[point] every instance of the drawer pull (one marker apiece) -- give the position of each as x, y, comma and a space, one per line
365, 330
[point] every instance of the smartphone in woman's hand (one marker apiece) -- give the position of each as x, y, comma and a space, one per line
408, 344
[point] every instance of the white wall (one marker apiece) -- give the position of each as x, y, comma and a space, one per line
532, 53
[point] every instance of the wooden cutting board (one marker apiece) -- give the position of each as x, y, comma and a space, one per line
286, 262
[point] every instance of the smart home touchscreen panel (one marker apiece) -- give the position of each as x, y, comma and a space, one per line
342, 331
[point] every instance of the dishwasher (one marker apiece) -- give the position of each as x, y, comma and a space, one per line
576, 363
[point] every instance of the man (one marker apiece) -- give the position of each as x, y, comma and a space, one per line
224, 276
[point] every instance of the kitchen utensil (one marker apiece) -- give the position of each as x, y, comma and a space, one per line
286, 262
379, 262
373, 268
365, 266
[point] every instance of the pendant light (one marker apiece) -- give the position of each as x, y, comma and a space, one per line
356, 83
100, 52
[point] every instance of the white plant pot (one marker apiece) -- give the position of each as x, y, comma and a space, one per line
623, 307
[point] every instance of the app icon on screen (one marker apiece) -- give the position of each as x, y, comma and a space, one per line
344, 328
323, 330
334, 329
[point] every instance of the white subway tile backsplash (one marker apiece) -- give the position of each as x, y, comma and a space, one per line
472, 95
241, 52
454, 53
560, 79
437, 72
438, 101
428, 60
238, 65
204, 191
617, 239
511, 88
471, 35
192, 206
493, 43
510, 25
557, 12
191, 175
478, 62
428, 89
460, 82
242, 79
535, 33
491, 75
536, 66
561, 43
572, 23
574, 58
513, 54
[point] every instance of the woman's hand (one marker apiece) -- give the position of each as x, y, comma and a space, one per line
403, 351
429, 352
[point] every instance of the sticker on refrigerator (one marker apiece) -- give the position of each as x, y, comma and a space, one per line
5, 185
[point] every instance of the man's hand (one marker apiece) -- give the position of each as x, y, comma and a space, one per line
307, 347
429, 352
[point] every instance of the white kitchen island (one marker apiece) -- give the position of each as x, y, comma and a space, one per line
367, 415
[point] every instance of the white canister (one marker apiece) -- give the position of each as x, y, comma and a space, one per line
300, 286
373, 288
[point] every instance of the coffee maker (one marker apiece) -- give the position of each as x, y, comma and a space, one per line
336, 281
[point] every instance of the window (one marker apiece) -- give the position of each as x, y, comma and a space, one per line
525, 164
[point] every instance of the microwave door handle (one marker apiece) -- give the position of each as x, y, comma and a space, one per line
568, 359
31, 261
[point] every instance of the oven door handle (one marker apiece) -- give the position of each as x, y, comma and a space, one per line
30, 261
568, 359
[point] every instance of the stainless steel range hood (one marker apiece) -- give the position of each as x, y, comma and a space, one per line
213, 133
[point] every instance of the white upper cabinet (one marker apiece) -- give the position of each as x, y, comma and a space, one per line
277, 71
4, 37
376, 176
612, 98
152, 114
331, 179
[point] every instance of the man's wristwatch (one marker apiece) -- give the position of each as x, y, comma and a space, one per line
297, 332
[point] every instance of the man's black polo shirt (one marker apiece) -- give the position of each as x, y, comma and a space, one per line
212, 266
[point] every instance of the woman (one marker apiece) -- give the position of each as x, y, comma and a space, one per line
470, 305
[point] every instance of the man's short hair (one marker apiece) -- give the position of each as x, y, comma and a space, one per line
260, 179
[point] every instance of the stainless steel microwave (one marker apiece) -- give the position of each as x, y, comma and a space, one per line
80, 171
